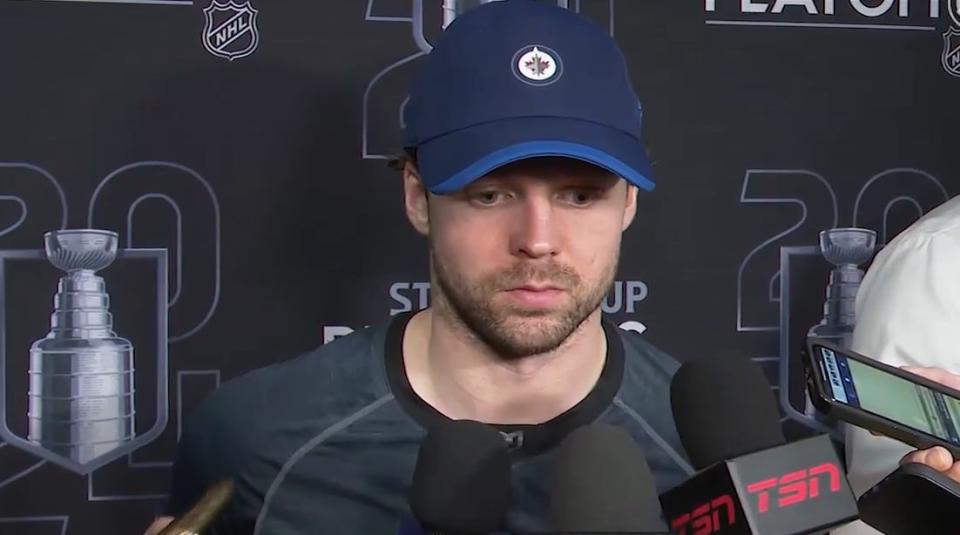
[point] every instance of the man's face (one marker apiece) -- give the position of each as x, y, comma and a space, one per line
525, 254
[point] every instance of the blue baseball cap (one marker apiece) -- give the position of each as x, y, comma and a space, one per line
518, 79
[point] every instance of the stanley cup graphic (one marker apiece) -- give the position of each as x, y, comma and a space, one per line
454, 8
81, 373
846, 249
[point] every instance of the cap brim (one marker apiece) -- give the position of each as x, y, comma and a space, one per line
449, 162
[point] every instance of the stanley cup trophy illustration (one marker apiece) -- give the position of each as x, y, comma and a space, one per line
81, 374
846, 249
454, 8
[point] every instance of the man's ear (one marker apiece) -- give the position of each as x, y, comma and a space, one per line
630, 210
415, 200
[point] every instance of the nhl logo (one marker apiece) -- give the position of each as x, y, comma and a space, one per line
953, 8
230, 30
537, 65
951, 51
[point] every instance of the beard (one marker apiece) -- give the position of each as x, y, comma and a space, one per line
511, 331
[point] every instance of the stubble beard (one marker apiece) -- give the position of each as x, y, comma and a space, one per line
513, 332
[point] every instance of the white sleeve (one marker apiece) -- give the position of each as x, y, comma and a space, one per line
908, 314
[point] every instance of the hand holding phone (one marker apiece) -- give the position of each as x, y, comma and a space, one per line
890, 401
937, 375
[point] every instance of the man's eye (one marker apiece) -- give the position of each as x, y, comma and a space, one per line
579, 197
487, 197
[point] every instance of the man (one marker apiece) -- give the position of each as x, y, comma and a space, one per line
908, 311
528, 161
524, 167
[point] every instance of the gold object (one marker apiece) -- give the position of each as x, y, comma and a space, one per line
204, 512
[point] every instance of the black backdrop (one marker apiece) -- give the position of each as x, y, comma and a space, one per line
256, 168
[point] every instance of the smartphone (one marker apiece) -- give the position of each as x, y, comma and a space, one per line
913, 499
882, 398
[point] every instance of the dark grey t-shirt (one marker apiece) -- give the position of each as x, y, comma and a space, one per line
327, 442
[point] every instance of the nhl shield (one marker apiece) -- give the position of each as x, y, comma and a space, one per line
69, 399
951, 51
953, 8
230, 30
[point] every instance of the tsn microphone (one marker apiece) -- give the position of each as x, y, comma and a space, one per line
461, 482
749, 480
602, 484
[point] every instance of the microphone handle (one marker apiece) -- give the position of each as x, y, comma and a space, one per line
204, 512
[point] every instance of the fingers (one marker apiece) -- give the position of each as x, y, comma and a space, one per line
158, 525
954, 472
938, 375
937, 458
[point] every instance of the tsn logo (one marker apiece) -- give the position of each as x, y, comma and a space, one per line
705, 518
789, 489
795, 487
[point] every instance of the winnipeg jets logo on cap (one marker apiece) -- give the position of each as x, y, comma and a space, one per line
537, 65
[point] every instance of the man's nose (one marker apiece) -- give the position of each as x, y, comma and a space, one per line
534, 232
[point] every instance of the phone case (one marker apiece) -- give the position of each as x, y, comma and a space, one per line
822, 402
913, 499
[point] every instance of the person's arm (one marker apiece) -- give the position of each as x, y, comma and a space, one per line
908, 314
196, 464
937, 457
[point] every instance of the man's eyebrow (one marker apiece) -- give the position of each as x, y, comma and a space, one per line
489, 180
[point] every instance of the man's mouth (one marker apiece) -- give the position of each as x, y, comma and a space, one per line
536, 295
537, 288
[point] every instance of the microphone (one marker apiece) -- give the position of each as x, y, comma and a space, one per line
914, 498
203, 513
602, 484
461, 481
749, 480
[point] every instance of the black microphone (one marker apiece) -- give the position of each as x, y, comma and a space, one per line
749, 480
602, 484
461, 482
914, 498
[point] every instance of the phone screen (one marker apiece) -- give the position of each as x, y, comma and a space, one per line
874, 390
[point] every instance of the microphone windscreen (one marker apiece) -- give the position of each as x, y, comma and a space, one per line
723, 408
461, 481
602, 484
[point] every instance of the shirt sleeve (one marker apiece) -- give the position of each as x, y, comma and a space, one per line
206, 452
908, 314
188, 478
